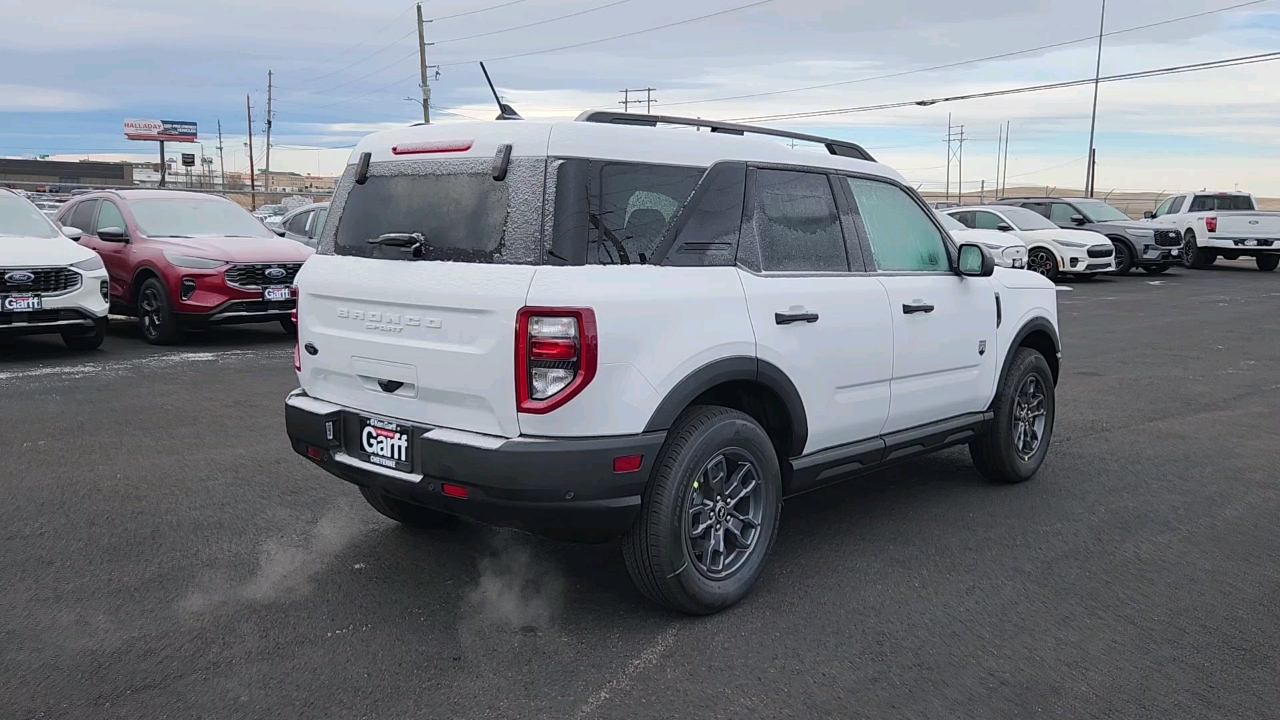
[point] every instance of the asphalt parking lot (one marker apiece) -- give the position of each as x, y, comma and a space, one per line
166, 555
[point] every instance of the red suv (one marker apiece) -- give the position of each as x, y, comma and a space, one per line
179, 259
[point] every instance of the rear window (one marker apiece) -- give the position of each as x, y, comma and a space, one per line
461, 216
1209, 203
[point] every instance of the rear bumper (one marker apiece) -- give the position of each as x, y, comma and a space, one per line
536, 484
1244, 246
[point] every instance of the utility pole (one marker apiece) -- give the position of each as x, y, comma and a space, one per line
266, 181
222, 167
947, 194
1093, 119
960, 174
626, 102
422, 61
999, 148
955, 139
253, 184
1004, 187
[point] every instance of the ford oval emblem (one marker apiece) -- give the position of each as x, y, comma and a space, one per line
19, 278
275, 273
1253, 222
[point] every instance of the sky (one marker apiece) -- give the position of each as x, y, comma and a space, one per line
342, 70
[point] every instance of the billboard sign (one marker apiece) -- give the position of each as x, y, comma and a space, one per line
188, 159
171, 130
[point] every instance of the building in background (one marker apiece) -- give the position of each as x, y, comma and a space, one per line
55, 176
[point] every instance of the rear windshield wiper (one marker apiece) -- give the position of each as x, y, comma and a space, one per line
414, 241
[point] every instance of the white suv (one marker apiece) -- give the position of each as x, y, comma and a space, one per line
613, 326
48, 283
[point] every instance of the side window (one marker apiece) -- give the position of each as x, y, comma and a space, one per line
1060, 213
298, 224
797, 222
631, 207
317, 223
984, 220
109, 217
1042, 208
902, 236
81, 216
965, 218
1178, 202
1164, 207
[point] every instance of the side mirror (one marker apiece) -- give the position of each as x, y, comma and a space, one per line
113, 234
277, 230
1147, 214
1078, 219
976, 261
72, 233
1004, 227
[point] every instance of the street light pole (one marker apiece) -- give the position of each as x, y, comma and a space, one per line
1093, 120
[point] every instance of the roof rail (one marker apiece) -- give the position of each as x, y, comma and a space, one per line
835, 147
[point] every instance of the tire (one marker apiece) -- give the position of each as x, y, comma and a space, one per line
1230, 256
1041, 260
1267, 263
405, 513
1193, 256
712, 449
156, 320
1124, 258
1086, 276
87, 341
1155, 269
1000, 453
289, 328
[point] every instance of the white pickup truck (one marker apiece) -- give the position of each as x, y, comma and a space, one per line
1221, 224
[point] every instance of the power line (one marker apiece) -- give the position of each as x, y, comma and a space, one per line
478, 10
1156, 72
962, 63
378, 32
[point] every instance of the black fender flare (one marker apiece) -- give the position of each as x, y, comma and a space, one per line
729, 369
1036, 323
1133, 249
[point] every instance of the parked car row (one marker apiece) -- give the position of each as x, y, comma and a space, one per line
174, 260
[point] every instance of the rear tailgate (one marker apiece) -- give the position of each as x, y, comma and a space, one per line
428, 342
1249, 225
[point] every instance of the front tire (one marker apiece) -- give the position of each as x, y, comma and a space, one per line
405, 513
156, 319
90, 341
1267, 263
710, 513
1012, 449
1155, 269
1042, 261
1124, 258
1193, 256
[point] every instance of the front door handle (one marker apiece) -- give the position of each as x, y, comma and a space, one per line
913, 308
782, 318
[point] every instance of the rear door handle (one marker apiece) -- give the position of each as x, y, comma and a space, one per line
782, 318
913, 308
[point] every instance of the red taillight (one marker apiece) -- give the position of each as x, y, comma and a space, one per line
1211, 224
297, 341
556, 350
627, 463
435, 146
455, 491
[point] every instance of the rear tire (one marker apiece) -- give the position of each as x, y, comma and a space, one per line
89, 341
406, 513
289, 327
156, 320
1012, 449
1230, 256
710, 513
1124, 258
1267, 263
1155, 269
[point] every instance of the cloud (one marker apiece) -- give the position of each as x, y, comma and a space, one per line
31, 98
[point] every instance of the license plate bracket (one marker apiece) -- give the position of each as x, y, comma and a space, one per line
276, 293
25, 302
381, 442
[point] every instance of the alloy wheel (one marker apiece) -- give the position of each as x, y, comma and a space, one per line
152, 313
725, 511
1029, 417
1041, 262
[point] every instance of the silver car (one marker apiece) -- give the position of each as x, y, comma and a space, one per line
304, 224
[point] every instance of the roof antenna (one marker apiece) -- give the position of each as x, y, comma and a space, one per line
505, 111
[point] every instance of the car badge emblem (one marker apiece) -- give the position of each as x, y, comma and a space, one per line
275, 273
982, 347
19, 278
1253, 222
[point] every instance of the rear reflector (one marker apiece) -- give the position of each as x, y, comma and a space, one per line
456, 491
316, 453
627, 463
436, 146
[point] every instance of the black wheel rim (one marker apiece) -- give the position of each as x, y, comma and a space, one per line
1188, 250
1030, 414
724, 515
1041, 262
151, 312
